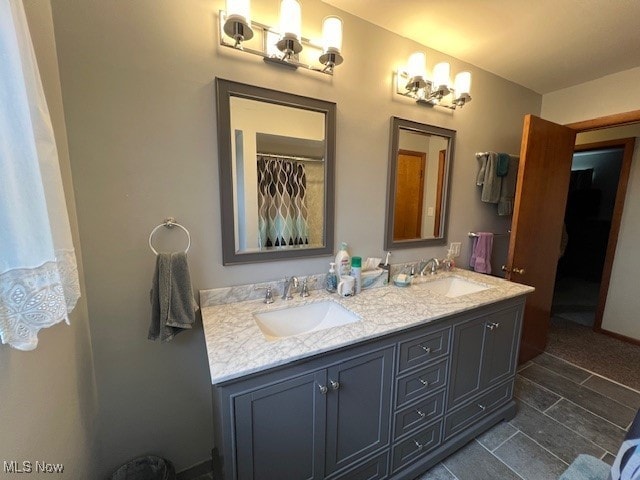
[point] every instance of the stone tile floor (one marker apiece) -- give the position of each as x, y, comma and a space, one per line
563, 410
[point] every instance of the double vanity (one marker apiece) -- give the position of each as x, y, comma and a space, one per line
381, 385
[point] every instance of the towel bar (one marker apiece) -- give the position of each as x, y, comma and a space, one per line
169, 222
473, 234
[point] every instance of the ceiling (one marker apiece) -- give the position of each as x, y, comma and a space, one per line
545, 45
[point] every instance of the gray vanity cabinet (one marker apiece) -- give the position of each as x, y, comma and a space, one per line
387, 408
484, 353
278, 423
358, 406
312, 425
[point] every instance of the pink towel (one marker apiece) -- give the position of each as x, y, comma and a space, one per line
481, 255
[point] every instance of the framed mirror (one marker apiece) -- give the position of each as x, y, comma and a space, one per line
420, 158
276, 159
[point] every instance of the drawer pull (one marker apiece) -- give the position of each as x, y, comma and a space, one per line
423, 382
482, 407
421, 414
323, 389
418, 444
334, 385
492, 325
426, 349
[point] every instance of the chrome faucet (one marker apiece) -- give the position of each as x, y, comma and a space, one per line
304, 292
289, 284
434, 263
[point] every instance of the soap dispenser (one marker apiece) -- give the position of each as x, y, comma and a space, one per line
448, 263
331, 279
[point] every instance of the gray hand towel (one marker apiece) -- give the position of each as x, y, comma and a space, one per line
173, 307
508, 188
491, 183
482, 167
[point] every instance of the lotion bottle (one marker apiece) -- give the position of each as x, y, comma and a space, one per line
343, 261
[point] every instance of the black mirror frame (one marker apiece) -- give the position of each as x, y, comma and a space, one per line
397, 124
225, 89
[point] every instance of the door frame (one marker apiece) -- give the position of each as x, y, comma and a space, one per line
627, 144
599, 123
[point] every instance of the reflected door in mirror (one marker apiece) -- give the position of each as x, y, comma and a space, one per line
419, 166
409, 196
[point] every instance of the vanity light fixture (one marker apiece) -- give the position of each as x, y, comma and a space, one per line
283, 47
412, 82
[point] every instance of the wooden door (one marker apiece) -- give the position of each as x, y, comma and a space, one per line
536, 230
407, 223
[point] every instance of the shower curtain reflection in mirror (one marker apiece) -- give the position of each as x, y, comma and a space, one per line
282, 209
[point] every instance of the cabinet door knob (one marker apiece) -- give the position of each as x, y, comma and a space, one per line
423, 382
482, 407
323, 389
420, 413
334, 385
492, 325
426, 349
418, 444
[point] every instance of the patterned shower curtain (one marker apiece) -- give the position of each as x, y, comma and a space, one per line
282, 210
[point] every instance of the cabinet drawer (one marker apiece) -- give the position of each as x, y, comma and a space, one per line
374, 469
477, 409
417, 445
419, 414
421, 383
423, 350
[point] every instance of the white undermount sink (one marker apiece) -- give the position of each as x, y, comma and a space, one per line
453, 286
312, 317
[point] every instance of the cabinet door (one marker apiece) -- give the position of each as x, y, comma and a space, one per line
466, 361
501, 339
280, 430
358, 408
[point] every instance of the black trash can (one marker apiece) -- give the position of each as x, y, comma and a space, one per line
145, 468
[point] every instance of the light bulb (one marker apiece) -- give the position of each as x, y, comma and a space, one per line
463, 84
441, 75
290, 19
416, 67
332, 34
239, 8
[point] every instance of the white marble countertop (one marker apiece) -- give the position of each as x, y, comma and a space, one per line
236, 346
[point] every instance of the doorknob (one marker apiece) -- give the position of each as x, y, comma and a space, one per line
519, 271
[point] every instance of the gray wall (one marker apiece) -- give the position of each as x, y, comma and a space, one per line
48, 398
137, 81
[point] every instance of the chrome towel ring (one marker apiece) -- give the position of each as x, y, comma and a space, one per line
169, 222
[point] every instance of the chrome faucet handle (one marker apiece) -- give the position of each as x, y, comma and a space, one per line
422, 266
289, 283
268, 294
435, 265
304, 292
